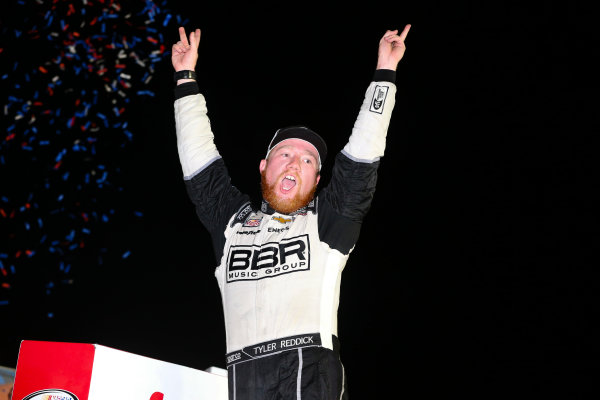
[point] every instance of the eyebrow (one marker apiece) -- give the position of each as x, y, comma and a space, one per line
287, 146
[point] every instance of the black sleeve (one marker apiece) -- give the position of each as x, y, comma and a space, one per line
216, 201
344, 203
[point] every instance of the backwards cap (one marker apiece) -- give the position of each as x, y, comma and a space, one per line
302, 133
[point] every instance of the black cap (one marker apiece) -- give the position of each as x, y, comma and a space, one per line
303, 133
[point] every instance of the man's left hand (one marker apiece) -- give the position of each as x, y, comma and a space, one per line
391, 48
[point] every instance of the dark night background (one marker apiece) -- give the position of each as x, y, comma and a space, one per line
472, 274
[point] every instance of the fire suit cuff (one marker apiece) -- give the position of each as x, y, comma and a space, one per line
186, 89
384, 75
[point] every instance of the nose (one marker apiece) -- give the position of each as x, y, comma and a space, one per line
294, 162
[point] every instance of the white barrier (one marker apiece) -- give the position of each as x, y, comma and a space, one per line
80, 371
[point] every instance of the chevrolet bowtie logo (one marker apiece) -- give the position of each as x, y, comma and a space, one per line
282, 220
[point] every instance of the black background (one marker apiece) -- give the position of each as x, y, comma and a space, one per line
472, 274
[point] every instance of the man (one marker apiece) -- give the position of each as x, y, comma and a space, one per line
279, 265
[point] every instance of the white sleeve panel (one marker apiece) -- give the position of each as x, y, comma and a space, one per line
367, 141
195, 140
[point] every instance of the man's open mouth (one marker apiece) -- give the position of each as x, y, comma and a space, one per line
288, 183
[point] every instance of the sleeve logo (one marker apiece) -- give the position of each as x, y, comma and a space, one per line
378, 100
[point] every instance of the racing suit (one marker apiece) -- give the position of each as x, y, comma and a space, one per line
279, 274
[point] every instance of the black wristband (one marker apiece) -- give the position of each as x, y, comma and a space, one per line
185, 74
385, 75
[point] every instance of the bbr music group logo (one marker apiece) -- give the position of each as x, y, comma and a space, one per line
253, 262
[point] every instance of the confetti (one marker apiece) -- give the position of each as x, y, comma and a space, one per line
66, 102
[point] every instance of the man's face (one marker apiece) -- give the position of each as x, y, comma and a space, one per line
290, 175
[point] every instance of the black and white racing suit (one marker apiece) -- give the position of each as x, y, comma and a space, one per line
279, 274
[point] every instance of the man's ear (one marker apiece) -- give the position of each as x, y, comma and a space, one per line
318, 178
262, 165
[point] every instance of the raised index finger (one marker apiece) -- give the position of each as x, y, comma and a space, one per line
404, 32
182, 36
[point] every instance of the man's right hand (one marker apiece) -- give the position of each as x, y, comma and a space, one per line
184, 54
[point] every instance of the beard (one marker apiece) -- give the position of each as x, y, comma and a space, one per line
284, 206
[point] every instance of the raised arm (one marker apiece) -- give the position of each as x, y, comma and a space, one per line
204, 172
367, 142
354, 175
194, 135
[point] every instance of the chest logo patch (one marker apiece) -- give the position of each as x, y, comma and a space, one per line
252, 222
282, 220
253, 262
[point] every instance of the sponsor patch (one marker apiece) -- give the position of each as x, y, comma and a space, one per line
282, 220
242, 214
378, 100
253, 262
278, 230
252, 222
248, 232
